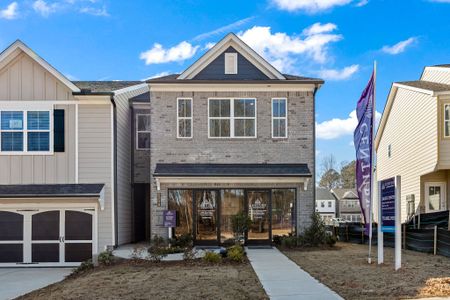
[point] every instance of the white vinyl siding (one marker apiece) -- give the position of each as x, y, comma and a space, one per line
279, 118
232, 118
231, 63
184, 118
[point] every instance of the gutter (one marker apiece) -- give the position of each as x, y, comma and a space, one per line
116, 232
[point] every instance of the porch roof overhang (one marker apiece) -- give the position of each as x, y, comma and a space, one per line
232, 173
89, 190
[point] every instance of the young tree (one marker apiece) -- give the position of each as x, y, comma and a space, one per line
348, 175
330, 177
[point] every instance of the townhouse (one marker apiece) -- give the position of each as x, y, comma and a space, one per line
90, 165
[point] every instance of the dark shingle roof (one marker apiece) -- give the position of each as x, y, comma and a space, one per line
427, 85
342, 193
233, 170
323, 194
92, 87
443, 66
50, 190
172, 78
142, 98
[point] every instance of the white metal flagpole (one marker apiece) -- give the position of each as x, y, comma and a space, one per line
372, 183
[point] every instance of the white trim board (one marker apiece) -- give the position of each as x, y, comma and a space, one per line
233, 87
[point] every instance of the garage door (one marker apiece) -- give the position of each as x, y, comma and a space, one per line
46, 237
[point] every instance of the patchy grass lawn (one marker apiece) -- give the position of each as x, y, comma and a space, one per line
164, 280
346, 271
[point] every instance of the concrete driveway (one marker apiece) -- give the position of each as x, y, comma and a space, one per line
15, 282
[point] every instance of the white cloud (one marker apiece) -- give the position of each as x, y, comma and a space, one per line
336, 128
282, 50
10, 12
310, 6
440, 1
362, 3
399, 47
159, 55
224, 29
99, 12
342, 74
44, 9
208, 46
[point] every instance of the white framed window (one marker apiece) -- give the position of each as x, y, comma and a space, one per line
435, 196
329, 204
26, 131
279, 118
447, 120
231, 63
389, 151
184, 118
232, 118
143, 131
322, 203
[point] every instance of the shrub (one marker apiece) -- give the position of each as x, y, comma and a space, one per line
240, 224
106, 258
212, 257
289, 241
182, 241
83, 267
330, 240
157, 249
236, 253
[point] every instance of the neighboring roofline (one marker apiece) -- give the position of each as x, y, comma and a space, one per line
130, 88
18, 44
228, 176
215, 51
89, 93
215, 81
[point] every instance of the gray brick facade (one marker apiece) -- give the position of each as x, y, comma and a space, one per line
297, 148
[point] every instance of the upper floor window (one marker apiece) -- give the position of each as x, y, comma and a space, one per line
143, 131
322, 204
279, 118
232, 118
184, 118
329, 204
231, 63
25, 131
447, 120
389, 151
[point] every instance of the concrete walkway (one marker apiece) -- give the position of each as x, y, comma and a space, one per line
19, 281
284, 279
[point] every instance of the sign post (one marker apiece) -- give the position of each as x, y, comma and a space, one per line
389, 216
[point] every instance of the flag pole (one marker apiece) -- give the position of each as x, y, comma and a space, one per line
372, 183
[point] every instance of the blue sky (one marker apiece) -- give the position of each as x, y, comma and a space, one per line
337, 40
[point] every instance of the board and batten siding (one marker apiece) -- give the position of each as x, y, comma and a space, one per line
411, 130
436, 74
124, 203
24, 79
95, 160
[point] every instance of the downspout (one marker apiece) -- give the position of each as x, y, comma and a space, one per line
116, 232
316, 88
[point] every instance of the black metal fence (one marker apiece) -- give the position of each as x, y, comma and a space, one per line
429, 240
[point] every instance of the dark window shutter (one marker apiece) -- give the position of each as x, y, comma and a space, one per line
58, 130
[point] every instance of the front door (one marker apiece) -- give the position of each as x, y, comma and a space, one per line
207, 225
258, 209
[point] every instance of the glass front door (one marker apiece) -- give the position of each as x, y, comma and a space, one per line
206, 225
258, 211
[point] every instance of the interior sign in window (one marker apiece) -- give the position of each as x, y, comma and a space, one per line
15, 124
388, 205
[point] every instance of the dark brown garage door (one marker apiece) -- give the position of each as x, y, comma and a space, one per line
11, 237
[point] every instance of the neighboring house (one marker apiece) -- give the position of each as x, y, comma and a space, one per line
325, 204
348, 207
231, 134
413, 141
65, 186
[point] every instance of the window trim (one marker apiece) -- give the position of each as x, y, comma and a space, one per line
443, 199
232, 118
235, 65
445, 121
141, 131
185, 118
25, 130
279, 118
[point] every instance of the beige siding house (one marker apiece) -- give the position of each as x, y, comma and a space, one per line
413, 141
64, 163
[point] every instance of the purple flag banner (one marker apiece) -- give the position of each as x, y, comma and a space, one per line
363, 145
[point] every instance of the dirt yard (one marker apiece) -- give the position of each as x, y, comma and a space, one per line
347, 272
165, 280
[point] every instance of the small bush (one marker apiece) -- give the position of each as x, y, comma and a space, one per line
83, 267
240, 223
182, 241
106, 258
157, 249
315, 235
330, 240
212, 257
236, 253
289, 241
229, 242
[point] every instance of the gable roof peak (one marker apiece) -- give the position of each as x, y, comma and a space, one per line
231, 39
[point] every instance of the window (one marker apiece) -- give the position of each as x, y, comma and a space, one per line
279, 118
231, 63
322, 204
447, 120
389, 151
143, 131
329, 204
435, 196
184, 118
232, 118
25, 131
